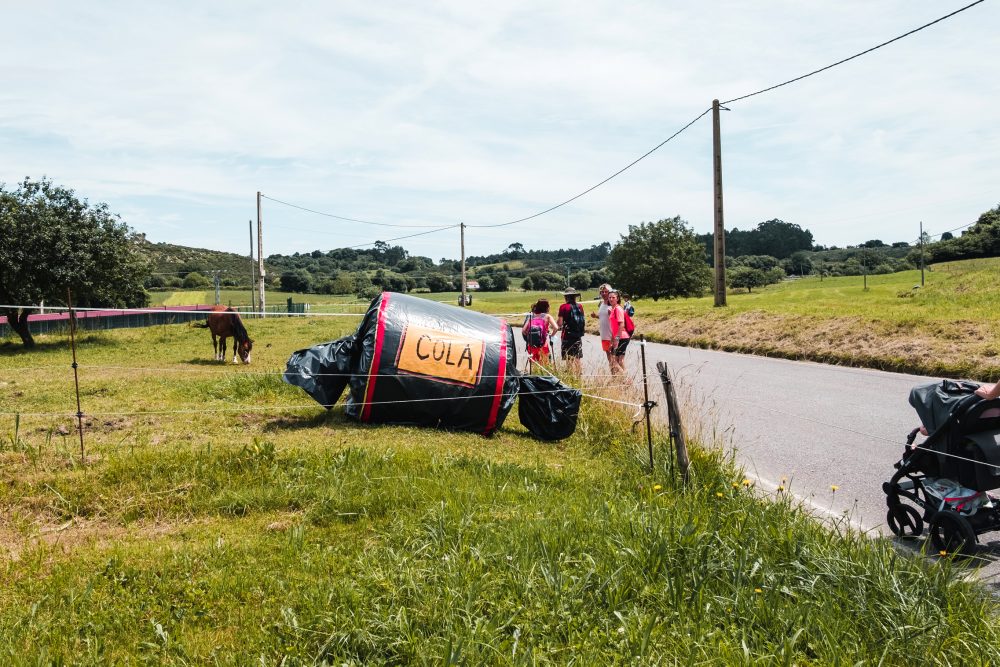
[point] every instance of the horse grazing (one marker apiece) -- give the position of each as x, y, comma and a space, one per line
225, 322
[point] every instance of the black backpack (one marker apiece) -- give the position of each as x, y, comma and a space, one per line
575, 324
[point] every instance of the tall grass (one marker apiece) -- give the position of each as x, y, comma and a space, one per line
298, 536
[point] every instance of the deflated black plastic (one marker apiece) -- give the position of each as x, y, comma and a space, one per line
547, 407
416, 361
322, 370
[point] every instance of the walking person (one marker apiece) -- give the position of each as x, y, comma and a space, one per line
573, 324
627, 304
604, 323
536, 331
620, 335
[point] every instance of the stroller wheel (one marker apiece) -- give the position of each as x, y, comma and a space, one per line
904, 520
952, 533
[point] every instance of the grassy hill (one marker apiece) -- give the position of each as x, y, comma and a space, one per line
222, 517
167, 258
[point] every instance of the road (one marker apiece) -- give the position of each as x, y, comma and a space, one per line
805, 426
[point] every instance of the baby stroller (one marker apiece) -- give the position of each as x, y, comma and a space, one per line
944, 481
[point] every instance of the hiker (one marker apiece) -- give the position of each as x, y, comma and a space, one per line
620, 335
627, 304
573, 324
536, 331
603, 323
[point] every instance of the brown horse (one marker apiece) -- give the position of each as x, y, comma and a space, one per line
225, 322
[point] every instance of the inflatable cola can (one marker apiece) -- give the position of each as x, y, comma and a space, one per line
416, 361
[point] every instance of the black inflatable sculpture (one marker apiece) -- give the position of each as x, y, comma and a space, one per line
416, 361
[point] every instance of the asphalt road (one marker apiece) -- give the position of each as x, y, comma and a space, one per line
805, 426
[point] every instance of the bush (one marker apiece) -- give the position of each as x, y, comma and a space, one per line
195, 280
369, 293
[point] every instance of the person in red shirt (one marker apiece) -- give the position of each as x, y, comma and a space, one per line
619, 335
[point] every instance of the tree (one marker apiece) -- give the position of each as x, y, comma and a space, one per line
660, 259
438, 283
501, 282
514, 250
194, 280
580, 280
296, 281
747, 277
51, 241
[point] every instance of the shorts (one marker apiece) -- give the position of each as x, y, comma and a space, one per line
536, 353
605, 344
572, 347
622, 344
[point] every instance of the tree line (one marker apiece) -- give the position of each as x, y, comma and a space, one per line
51, 240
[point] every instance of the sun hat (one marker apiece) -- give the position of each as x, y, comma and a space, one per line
569, 291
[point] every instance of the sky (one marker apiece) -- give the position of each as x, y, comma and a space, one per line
435, 113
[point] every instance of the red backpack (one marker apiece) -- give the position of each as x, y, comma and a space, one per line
629, 324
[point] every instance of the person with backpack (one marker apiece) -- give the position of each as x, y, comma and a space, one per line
536, 331
627, 304
621, 333
573, 325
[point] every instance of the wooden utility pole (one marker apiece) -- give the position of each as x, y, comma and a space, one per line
462, 228
720, 229
260, 256
253, 277
921, 253
217, 280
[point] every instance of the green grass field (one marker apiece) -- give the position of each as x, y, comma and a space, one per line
223, 518
948, 327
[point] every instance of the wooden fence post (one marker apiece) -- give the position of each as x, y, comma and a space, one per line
674, 420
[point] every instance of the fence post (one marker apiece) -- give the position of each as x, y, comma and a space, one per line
674, 419
76, 377
647, 404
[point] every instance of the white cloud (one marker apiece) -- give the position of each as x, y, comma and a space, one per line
453, 111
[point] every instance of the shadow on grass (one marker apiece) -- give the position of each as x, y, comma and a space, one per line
297, 422
338, 418
10, 348
984, 555
207, 362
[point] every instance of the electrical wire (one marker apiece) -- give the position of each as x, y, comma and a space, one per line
340, 217
594, 187
856, 55
408, 236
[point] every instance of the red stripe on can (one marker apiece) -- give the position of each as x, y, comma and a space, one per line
501, 373
373, 370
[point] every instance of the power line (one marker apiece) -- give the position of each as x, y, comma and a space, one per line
856, 55
645, 155
340, 217
408, 236
594, 187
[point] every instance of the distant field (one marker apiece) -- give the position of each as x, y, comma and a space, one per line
950, 326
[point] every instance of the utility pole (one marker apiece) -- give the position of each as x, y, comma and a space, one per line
921, 253
260, 256
462, 229
253, 277
217, 280
720, 229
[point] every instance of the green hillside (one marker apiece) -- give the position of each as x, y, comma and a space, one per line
176, 261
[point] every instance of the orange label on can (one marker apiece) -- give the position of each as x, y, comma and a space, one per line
440, 354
